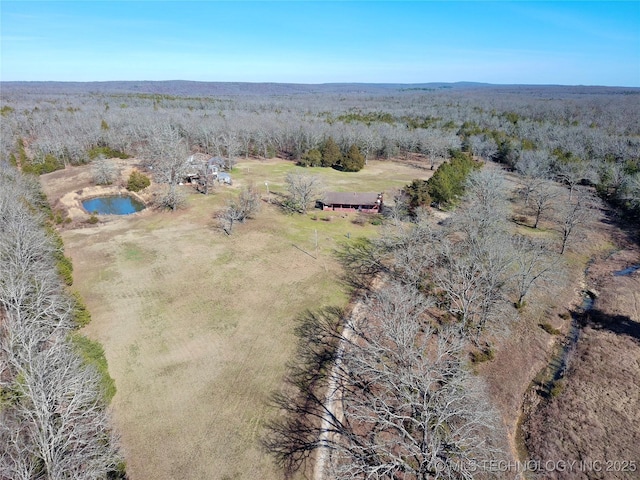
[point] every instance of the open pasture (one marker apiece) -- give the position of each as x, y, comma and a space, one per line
197, 325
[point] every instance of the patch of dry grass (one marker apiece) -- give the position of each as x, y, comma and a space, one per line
596, 415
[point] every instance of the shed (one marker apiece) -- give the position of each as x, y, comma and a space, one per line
352, 202
224, 177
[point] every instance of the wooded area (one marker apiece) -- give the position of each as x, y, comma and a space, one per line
571, 134
53, 412
393, 387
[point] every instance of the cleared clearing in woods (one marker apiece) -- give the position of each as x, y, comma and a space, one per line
197, 325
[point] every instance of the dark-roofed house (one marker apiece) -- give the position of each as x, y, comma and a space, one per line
352, 202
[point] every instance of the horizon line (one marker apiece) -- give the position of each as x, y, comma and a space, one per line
270, 82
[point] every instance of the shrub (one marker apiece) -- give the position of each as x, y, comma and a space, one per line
93, 219
119, 471
81, 314
550, 329
289, 206
6, 110
520, 305
376, 220
557, 388
47, 164
484, 355
65, 269
359, 220
58, 217
63, 263
93, 354
106, 152
22, 153
55, 237
137, 181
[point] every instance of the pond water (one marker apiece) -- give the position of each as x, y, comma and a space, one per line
113, 205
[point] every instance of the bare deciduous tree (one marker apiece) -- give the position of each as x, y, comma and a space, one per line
401, 404
59, 425
485, 208
483, 146
533, 263
240, 209
206, 179
472, 281
167, 154
572, 214
542, 199
53, 421
571, 173
229, 140
105, 172
633, 191
534, 167
303, 189
398, 208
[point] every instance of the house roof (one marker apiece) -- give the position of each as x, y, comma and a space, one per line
351, 198
198, 158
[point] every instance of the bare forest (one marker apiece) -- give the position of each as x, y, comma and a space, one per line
461, 343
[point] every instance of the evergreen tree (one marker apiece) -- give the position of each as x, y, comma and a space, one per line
445, 186
418, 193
312, 158
448, 181
353, 161
331, 154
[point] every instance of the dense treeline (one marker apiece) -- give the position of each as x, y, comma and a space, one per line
53, 382
575, 135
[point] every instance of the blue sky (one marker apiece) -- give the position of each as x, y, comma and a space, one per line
573, 43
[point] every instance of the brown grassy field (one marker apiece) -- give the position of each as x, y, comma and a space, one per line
197, 325
596, 417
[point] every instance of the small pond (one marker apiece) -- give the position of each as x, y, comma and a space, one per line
113, 205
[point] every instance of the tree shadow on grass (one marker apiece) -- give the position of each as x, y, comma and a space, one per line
628, 228
619, 324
